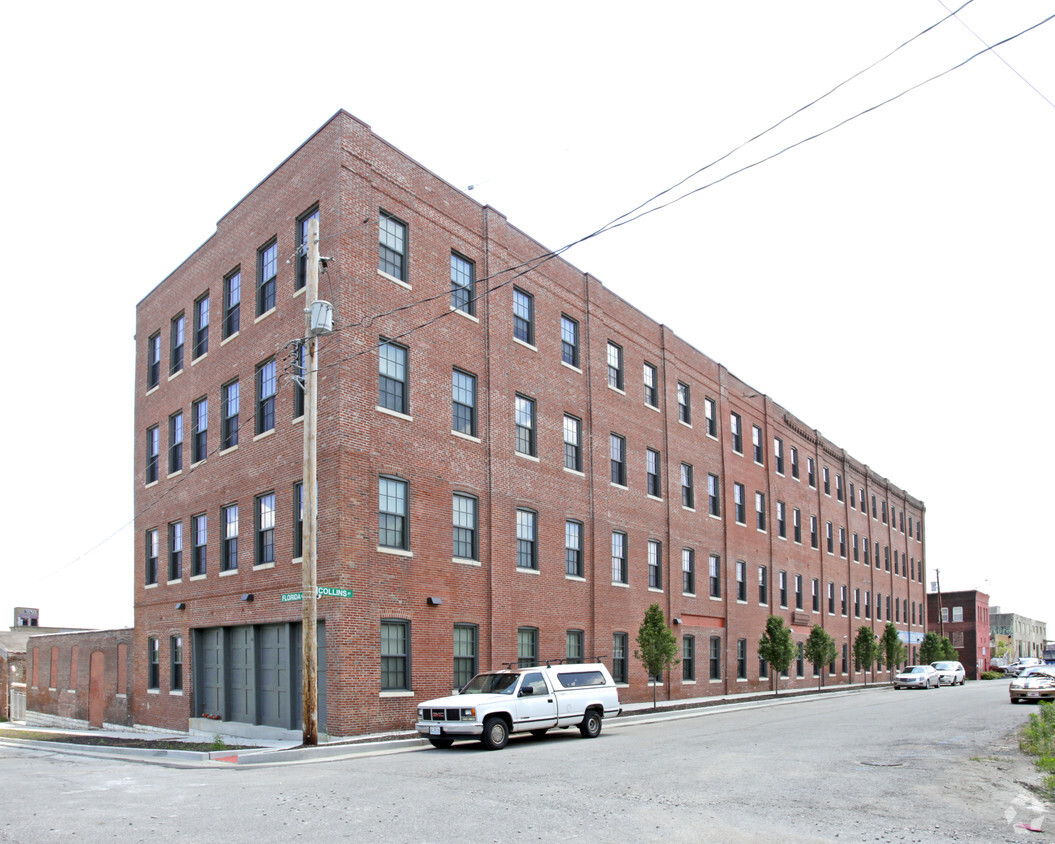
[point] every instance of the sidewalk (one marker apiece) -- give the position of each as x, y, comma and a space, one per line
288, 752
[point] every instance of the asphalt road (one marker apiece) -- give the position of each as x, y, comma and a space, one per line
875, 765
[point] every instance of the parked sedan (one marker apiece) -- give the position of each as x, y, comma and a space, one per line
1038, 686
950, 672
1016, 668
917, 677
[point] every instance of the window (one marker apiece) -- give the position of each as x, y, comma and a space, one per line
794, 462
957, 614
884, 512
816, 595
829, 538
800, 661
301, 372
710, 417
151, 571
392, 259
874, 516
266, 274
617, 453
763, 669
798, 591
301, 279
688, 497
620, 642
153, 360
756, 444
265, 529
266, 386
846, 657
619, 567
201, 327
868, 604
842, 600
392, 377
176, 346
199, 446
716, 658
524, 317
862, 508
811, 476
395, 655
527, 646
688, 658
153, 446
782, 521
298, 521
655, 564
857, 603
831, 598
736, 432
652, 473
615, 366
782, 582
714, 500
527, 539
464, 528
688, 571
573, 646
153, 663
229, 407
463, 398
838, 486
741, 581
684, 404
573, 548
465, 647
715, 576
855, 547
778, 454
176, 663
392, 514
200, 537
569, 341
813, 532
827, 481
760, 510
232, 303
739, 504
175, 551
842, 542
572, 444
651, 391
853, 496
525, 425
796, 524
868, 552
463, 279
229, 551
763, 585
741, 659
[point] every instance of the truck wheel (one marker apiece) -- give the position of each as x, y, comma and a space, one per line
441, 743
591, 725
496, 733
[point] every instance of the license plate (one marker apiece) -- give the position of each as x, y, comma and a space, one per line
434, 731
1032, 694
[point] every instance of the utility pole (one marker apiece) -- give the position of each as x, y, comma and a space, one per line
309, 590
941, 621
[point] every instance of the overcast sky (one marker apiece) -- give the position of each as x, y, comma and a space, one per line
889, 282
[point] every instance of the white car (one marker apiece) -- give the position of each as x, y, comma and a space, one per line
1017, 667
917, 677
950, 672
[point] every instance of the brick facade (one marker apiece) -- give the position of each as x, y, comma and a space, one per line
353, 177
966, 624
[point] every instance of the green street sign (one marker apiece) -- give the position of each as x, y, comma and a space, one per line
320, 592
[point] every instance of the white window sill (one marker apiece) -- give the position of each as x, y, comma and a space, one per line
468, 437
229, 338
462, 561
264, 435
396, 552
394, 413
620, 584
228, 573
571, 366
520, 342
264, 316
468, 316
523, 570
199, 359
404, 693
393, 279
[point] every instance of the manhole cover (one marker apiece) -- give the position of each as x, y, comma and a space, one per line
884, 764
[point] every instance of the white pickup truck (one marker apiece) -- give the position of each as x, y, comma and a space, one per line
496, 703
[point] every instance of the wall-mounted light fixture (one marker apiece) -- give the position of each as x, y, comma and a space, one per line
433, 601
676, 620
181, 606
248, 596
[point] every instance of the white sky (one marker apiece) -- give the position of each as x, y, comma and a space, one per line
889, 283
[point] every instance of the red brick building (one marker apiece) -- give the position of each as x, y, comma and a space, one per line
964, 618
513, 464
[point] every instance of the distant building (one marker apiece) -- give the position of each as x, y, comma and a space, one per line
1026, 636
963, 617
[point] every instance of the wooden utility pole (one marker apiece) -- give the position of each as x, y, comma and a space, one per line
309, 623
941, 621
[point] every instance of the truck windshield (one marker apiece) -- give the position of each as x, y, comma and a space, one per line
491, 684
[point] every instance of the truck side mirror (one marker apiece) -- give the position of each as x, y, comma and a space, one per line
527, 690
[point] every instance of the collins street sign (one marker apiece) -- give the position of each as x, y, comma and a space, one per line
320, 592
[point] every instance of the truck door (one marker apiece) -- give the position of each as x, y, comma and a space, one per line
536, 706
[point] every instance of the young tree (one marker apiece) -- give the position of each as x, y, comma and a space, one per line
891, 647
866, 650
947, 650
931, 649
777, 648
820, 651
657, 645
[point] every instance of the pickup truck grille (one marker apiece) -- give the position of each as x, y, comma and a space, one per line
441, 714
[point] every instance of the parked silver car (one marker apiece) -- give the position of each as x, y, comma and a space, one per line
917, 677
950, 672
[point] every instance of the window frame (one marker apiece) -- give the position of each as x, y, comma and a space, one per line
393, 253
463, 284
300, 279
265, 518
463, 536
266, 391
572, 447
232, 303
523, 317
525, 419
267, 277
395, 666
177, 342
229, 534
527, 557
573, 551
462, 413
393, 377
393, 524
614, 362
569, 348
200, 343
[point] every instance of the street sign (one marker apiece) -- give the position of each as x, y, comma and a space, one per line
320, 592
